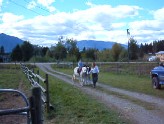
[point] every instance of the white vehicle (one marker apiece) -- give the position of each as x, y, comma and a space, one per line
152, 58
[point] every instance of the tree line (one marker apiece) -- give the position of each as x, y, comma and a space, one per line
67, 50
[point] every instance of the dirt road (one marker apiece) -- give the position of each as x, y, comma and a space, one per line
136, 107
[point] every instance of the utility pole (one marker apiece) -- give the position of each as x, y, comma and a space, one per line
128, 36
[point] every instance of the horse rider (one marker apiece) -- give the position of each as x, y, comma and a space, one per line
80, 65
95, 72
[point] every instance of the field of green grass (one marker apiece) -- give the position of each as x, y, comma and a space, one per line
73, 106
11, 77
131, 82
70, 105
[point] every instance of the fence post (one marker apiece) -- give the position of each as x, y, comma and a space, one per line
47, 94
32, 110
37, 77
36, 94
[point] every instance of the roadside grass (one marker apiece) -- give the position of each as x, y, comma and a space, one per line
70, 105
11, 76
125, 81
62, 69
146, 105
141, 84
75, 107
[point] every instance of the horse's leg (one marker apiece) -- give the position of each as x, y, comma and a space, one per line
85, 79
81, 79
73, 78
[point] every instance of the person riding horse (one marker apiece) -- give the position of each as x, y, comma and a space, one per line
80, 65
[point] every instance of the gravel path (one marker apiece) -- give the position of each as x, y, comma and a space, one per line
135, 112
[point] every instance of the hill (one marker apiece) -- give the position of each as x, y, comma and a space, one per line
100, 45
9, 42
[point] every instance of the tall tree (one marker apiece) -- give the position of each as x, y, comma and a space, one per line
141, 51
91, 54
133, 49
59, 51
2, 50
123, 55
116, 50
72, 50
27, 50
16, 54
44, 50
105, 55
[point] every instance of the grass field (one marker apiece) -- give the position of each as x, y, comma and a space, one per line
11, 76
71, 105
132, 82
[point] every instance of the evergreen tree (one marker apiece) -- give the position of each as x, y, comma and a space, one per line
16, 54
59, 52
2, 50
141, 51
133, 49
27, 50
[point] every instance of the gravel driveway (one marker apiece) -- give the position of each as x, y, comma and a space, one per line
138, 108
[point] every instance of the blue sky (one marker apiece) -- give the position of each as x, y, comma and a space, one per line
42, 22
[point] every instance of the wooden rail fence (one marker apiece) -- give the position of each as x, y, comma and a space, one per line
35, 82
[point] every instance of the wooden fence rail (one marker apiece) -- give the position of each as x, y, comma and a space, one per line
34, 80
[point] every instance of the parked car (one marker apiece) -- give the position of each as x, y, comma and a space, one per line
157, 76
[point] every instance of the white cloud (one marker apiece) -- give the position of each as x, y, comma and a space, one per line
118, 25
149, 30
147, 25
99, 22
158, 15
10, 18
90, 4
47, 4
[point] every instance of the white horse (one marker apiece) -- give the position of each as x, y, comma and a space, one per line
82, 76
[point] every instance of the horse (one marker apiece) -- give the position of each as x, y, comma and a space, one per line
82, 76
88, 78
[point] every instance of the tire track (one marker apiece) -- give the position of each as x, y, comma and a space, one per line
131, 111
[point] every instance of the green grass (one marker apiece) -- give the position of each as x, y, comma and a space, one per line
71, 106
146, 105
74, 107
130, 82
11, 76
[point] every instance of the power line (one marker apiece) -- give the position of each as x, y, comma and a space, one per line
26, 8
39, 7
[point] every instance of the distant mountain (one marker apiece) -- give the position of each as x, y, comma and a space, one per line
9, 42
100, 45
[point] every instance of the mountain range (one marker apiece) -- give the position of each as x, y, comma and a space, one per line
100, 45
9, 42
